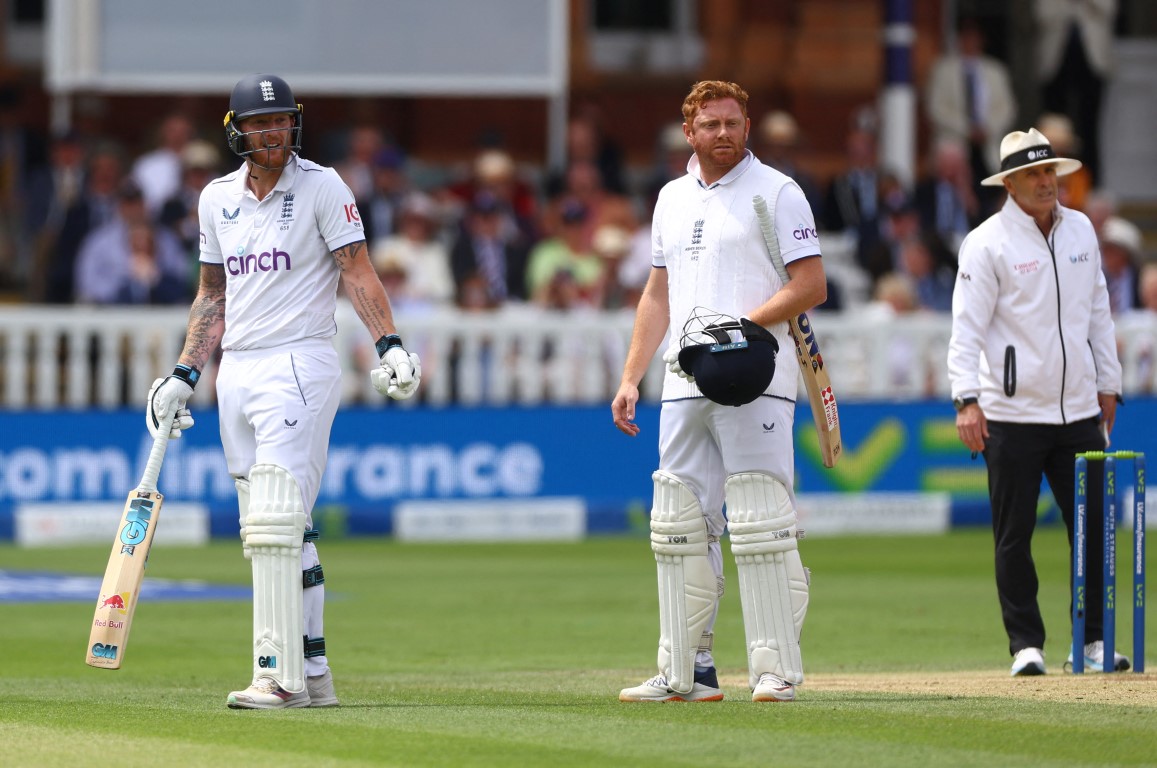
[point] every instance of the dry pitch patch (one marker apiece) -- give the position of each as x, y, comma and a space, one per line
1125, 688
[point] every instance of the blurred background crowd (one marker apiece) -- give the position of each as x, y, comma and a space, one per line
97, 214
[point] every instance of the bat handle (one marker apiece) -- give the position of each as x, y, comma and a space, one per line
157, 455
763, 216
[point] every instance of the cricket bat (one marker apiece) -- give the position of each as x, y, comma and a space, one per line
126, 564
807, 351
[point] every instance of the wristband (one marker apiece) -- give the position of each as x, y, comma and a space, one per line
187, 374
387, 342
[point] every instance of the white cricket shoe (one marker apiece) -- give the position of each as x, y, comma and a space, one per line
656, 689
267, 693
320, 690
773, 688
1028, 661
1095, 658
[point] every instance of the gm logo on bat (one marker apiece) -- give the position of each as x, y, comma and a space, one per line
102, 651
809, 339
136, 523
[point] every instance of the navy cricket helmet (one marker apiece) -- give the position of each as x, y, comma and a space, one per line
260, 95
733, 361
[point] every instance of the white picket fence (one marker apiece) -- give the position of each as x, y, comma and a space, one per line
83, 357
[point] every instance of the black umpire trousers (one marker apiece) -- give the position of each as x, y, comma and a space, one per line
1017, 456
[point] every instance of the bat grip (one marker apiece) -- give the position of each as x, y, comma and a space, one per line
763, 216
157, 455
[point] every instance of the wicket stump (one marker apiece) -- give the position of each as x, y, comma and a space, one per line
1109, 565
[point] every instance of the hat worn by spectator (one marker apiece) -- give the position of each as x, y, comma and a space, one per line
1123, 233
779, 128
420, 205
392, 265
1020, 150
610, 241
493, 165
200, 154
1058, 129
673, 139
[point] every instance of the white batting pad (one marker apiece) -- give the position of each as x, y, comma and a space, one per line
688, 588
242, 485
773, 585
274, 530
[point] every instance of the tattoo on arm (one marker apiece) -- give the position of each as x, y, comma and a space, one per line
363, 288
206, 317
347, 255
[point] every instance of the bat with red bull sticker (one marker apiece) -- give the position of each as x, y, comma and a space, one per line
807, 351
109, 634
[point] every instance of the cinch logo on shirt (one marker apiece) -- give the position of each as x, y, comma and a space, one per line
803, 233
254, 262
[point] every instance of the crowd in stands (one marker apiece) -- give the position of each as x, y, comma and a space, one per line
96, 226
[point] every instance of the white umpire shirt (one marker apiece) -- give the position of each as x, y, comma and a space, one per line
709, 241
1032, 336
280, 277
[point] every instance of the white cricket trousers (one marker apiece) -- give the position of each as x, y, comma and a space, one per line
277, 406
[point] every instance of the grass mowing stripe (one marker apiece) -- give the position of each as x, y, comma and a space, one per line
513, 655
834, 728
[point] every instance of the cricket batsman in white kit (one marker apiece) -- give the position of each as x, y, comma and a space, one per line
277, 235
725, 430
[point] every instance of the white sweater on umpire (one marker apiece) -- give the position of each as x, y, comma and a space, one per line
1032, 336
709, 241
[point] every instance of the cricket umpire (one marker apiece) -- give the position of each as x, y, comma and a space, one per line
278, 235
1035, 375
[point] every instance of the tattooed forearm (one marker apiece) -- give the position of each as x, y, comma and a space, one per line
364, 289
206, 318
373, 308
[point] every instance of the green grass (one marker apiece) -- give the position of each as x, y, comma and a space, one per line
513, 655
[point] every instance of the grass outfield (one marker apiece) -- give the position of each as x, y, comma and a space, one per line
513, 655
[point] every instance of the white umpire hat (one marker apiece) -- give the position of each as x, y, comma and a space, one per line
1021, 149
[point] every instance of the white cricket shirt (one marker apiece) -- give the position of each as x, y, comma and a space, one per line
280, 277
709, 241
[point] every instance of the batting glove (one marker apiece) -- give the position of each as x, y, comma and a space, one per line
169, 396
400, 372
671, 358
